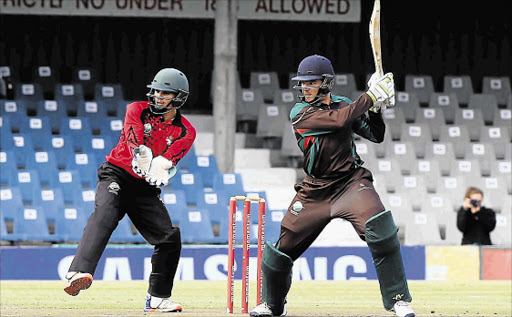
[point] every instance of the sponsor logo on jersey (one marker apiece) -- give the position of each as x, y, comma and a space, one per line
169, 140
147, 128
114, 188
296, 207
363, 187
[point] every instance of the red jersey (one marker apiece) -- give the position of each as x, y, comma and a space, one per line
171, 139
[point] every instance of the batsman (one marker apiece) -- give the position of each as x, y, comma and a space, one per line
336, 185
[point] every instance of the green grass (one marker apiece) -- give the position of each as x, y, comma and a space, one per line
208, 298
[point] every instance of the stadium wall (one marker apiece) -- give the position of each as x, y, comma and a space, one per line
209, 263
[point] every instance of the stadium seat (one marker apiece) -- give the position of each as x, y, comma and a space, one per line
100, 146
70, 183
230, 183
447, 103
409, 102
54, 111
503, 119
419, 134
45, 164
51, 200
80, 131
344, 84
453, 236
84, 199
501, 234
22, 147
176, 203
6, 140
404, 154
216, 203
458, 136
454, 186
87, 77
252, 158
70, 96
189, 162
394, 119
69, 224
499, 137
271, 119
497, 86
414, 186
14, 108
434, 118
29, 93
121, 109
285, 97
45, 76
111, 128
27, 181
486, 103
4, 235
108, 96
502, 169
495, 193
38, 128
422, 229
459, 85
273, 224
196, 227
207, 167
472, 119
86, 165
390, 169
93, 110
439, 206
400, 207
11, 200
421, 85
267, 82
30, 224
470, 169
483, 153
62, 146
7, 166
190, 183
289, 147
430, 171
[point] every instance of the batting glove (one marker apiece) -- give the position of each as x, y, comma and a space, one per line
141, 161
382, 91
159, 173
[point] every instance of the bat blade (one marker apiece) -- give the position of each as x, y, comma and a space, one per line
375, 37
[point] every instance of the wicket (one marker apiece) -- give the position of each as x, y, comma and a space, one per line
245, 251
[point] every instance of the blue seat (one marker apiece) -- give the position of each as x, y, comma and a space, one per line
195, 227
85, 164
93, 110
109, 96
111, 128
85, 200
207, 167
4, 235
7, 166
62, 146
69, 96
273, 224
30, 93
216, 203
46, 165
28, 182
190, 183
54, 110
176, 203
38, 128
123, 233
11, 200
121, 109
30, 224
13, 108
189, 162
46, 77
230, 183
69, 224
100, 147
6, 141
70, 183
22, 147
51, 200
80, 131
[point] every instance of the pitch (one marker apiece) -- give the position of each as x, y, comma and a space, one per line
208, 298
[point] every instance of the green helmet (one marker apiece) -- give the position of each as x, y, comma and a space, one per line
172, 80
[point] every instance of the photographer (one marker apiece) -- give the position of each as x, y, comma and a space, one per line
474, 220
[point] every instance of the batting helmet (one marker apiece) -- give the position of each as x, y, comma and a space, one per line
171, 80
312, 68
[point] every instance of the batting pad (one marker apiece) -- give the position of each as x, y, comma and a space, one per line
382, 238
277, 278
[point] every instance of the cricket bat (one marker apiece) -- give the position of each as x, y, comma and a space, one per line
375, 37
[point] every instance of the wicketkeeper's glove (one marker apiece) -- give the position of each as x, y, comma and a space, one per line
159, 172
141, 161
382, 91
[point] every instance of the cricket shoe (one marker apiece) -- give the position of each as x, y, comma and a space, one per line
77, 281
403, 309
163, 305
263, 310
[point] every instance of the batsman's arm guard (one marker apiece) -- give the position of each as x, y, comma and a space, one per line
277, 278
382, 239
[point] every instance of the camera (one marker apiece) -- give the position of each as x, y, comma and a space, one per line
475, 203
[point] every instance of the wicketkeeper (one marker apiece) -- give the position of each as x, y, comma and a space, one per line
336, 186
154, 139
